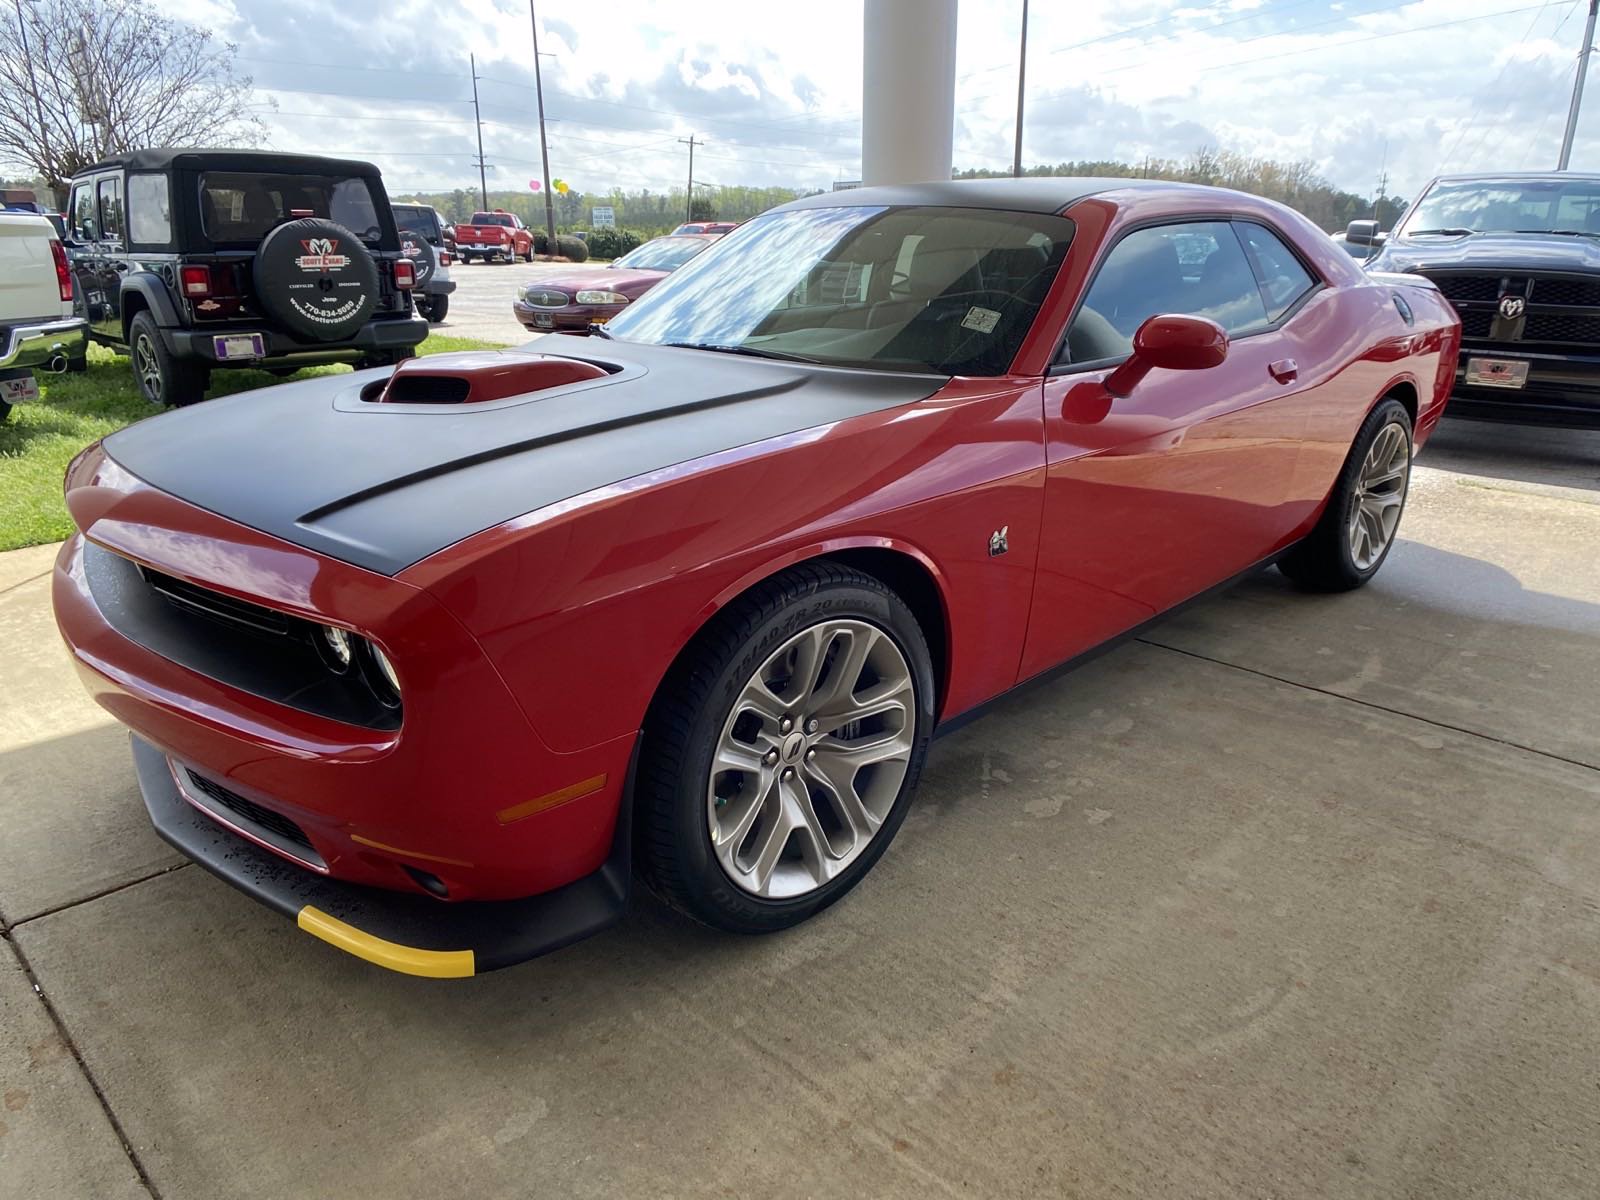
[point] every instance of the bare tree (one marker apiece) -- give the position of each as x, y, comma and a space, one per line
82, 79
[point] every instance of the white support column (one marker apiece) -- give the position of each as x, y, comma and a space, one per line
908, 90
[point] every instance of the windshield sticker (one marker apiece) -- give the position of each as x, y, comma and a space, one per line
981, 319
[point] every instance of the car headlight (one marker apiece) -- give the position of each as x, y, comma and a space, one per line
385, 669
601, 297
338, 645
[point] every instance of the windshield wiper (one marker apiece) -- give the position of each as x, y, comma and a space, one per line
1451, 231
752, 351
600, 331
1560, 232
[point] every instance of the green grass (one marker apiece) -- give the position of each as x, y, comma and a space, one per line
39, 440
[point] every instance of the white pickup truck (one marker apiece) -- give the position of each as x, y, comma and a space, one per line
37, 328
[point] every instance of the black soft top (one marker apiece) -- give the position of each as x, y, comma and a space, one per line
183, 158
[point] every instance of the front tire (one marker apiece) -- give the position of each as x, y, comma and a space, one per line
162, 378
779, 757
1357, 529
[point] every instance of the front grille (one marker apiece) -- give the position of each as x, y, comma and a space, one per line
1561, 327
250, 812
240, 614
1469, 287
547, 298
1566, 291
1561, 310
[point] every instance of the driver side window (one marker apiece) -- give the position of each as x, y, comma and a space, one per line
84, 228
1197, 268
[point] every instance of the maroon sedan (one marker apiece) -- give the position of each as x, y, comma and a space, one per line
571, 303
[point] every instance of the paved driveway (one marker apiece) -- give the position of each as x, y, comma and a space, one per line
480, 307
1294, 896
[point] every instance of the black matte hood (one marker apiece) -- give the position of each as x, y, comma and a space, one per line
1490, 251
385, 485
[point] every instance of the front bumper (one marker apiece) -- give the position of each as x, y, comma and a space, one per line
412, 934
573, 318
392, 333
35, 344
1562, 390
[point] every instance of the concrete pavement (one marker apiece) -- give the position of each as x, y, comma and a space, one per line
1296, 896
480, 307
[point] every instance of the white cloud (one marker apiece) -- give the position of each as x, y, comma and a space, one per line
774, 89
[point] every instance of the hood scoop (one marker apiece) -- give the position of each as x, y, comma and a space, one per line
477, 377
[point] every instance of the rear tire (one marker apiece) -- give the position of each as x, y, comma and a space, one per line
163, 379
1359, 526
438, 306
5, 412
752, 734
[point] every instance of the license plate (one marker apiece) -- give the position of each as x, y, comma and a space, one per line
239, 345
544, 320
16, 391
1497, 372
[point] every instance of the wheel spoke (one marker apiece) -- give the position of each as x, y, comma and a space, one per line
863, 824
773, 838
838, 692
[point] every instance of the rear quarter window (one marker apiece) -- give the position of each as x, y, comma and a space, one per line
149, 210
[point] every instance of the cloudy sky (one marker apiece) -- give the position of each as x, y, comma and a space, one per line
774, 86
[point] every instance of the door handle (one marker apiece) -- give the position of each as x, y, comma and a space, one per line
1285, 370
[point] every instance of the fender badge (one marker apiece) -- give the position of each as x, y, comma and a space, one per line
998, 544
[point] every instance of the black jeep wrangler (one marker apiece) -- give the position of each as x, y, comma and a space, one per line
422, 240
1518, 255
194, 260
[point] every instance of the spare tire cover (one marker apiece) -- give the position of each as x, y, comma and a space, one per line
421, 253
316, 279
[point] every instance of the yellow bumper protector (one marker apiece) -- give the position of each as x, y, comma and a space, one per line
431, 964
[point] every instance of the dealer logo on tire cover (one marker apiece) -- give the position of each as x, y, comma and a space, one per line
320, 255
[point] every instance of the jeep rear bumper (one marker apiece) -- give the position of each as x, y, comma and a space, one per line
282, 348
36, 343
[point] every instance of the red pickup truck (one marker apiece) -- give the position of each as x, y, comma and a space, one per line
496, 234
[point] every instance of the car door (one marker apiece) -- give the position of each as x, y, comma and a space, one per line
112, 259
83, 232
1182, 483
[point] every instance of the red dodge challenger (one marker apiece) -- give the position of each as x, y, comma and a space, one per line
436, 660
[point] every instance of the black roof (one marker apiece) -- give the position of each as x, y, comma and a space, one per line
194, 159
1034, 193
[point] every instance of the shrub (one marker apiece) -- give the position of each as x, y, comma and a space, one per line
613, 243
572, 247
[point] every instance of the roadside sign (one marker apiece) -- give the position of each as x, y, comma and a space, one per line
605, 217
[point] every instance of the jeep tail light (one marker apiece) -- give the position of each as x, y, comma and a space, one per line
195, 282
63, 275
405, 275
444, 258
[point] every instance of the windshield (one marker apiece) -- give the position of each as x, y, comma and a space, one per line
662, 254
242, 207
1502, 205
946, 290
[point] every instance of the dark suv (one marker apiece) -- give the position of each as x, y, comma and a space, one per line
1519, 257
194, 260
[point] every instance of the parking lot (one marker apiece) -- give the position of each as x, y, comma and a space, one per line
480, 307
1291, 896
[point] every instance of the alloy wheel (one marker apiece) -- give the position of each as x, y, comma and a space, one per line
148, 367
811, 759
1380, 495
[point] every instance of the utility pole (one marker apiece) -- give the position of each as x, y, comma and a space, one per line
688, 200
1022, 76
477, 118
1577, 87
1383, 183
544, 148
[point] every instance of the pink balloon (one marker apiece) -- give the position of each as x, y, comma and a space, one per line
534, 184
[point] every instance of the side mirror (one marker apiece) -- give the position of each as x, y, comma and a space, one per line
1174, 343
1361, 233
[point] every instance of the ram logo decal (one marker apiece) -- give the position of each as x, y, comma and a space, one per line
1512, 307
321, 255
